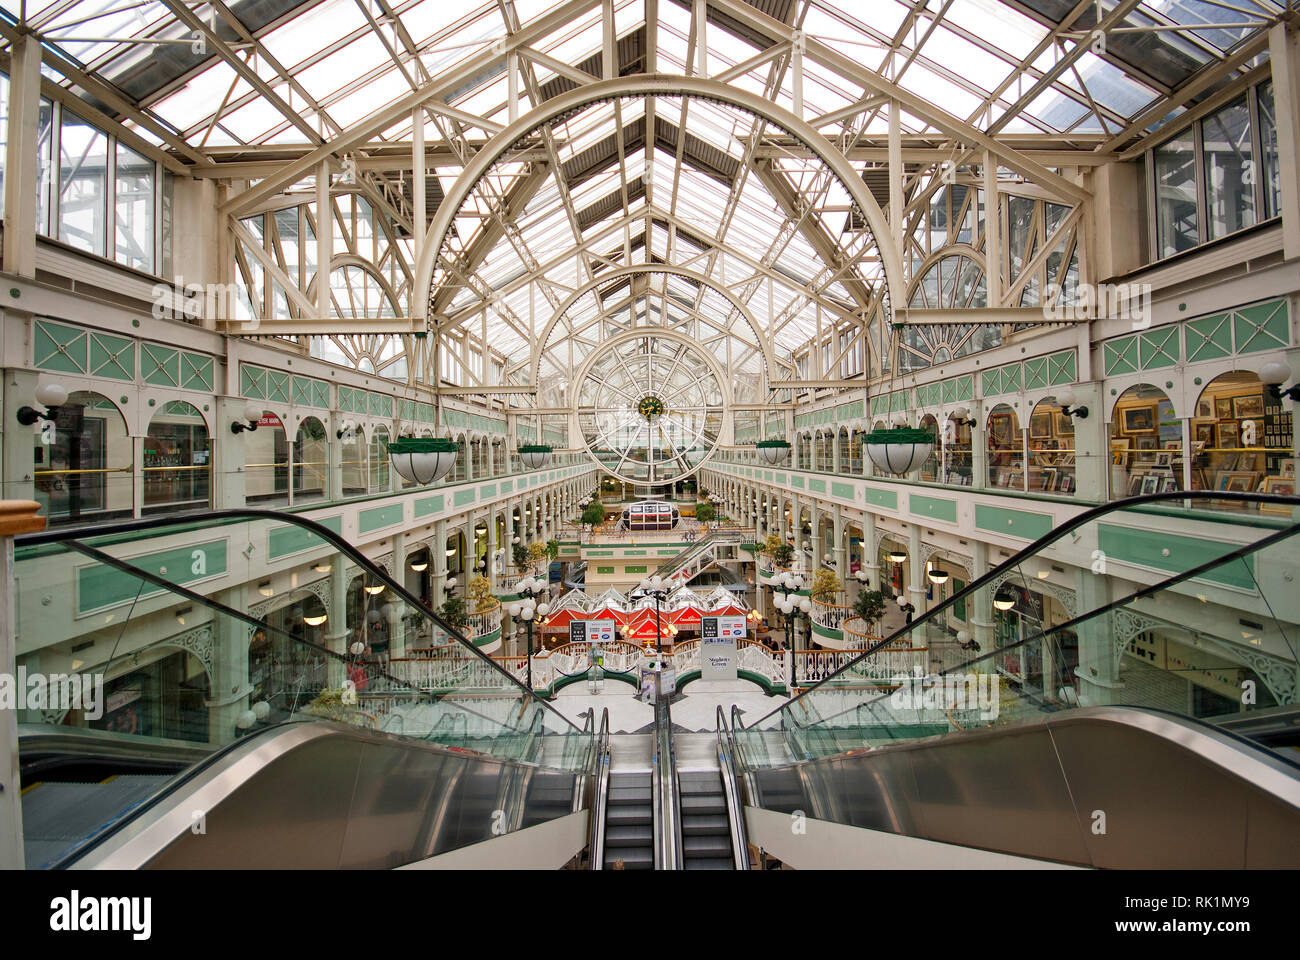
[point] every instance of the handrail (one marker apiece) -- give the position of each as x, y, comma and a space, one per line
663, 781
1065, 530
372, 570
600, 799
731, 788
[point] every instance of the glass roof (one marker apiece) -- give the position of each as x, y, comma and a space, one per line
693, 183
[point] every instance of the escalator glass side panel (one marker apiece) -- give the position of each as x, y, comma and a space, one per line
209, 632
1204, 622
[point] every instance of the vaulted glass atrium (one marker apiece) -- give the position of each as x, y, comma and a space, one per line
588, 434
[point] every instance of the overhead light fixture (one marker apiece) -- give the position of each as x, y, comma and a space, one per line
374, 589
936, 575
1004, 599
181, 614
315, 619
896, 556
420, 566
323, 567
265, 588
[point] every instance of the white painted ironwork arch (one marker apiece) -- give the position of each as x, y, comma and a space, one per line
764, 340
654, 85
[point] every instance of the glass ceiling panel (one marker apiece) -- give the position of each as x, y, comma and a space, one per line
729, 219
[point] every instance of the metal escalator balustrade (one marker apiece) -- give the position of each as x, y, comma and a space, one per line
1011, 747
159, 609
927, 677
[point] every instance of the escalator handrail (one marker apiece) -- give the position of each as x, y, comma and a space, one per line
665, 794
1070, 624
1057, 533
335, 540
731, 790
600, 795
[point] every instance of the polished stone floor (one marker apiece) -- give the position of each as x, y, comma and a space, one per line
696, 710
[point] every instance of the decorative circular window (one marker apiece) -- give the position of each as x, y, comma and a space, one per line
650, 408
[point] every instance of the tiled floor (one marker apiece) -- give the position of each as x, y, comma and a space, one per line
697, 710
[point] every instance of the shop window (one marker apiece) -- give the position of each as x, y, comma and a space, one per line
163, 695
84, 463
355, 474
379, 466
266, 463
286, 666
1146, 444
957, 464
1051, 449
177, 469
310, 462
1242, 439
1005, 450
930, 469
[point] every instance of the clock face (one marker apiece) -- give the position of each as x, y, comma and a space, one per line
650, 409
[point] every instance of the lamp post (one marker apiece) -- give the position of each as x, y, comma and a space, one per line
527, 608
788, 582
657, 587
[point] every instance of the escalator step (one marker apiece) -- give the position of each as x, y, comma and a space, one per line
634, 858
709, 846
628, 815
709, 863
703, 804
629, 836
622, 795
712, 824
59, 816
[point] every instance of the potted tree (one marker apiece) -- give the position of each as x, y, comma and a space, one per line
593, 513
869, 606
825, 586
704, 512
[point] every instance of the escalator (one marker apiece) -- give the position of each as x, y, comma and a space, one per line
928, 749
77, 784
322, 760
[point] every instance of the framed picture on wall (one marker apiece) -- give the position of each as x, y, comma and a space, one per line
1165, 459
1000, 428
1222, 408
1204, 408
1228, 434
1238, 481
1151, 483
1168, 483
1140, 419
1248, 406
1064, 425
1282, 485
1204, 433
1067, 484
1119, 451
1145, 443
1198, 479
1134, 484
1040, 425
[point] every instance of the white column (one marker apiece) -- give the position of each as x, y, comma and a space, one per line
21, 186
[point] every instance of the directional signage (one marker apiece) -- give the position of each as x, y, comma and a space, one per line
591, 631
718, 636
